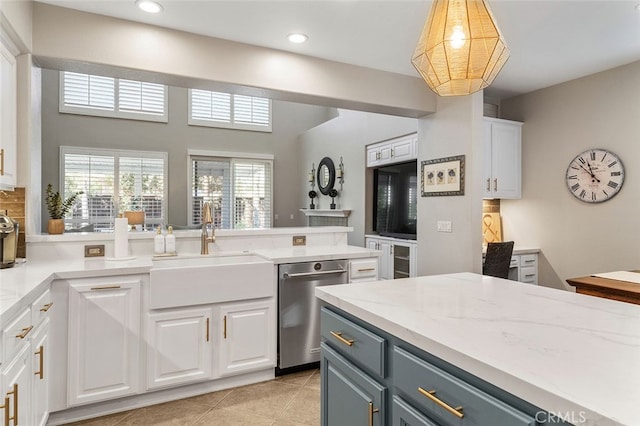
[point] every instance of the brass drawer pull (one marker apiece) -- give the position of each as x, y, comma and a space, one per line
457, 411
14, 392
6, 410
46, 307
2, 162
225, 326
366, 269
371, 413
24, 333
106, 287
338, 335
207, 329
40, 352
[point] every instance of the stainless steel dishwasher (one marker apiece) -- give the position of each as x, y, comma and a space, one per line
299, 310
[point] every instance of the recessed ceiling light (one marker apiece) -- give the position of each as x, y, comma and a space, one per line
297, 38
149, 6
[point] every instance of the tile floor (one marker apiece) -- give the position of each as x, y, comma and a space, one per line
290, 400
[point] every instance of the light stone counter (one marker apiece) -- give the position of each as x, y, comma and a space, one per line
561, 351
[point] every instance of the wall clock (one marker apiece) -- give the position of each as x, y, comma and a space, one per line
595, 175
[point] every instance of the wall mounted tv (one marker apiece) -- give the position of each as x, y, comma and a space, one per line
395, 200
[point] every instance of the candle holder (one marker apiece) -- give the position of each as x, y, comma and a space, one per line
340, 173
312, 176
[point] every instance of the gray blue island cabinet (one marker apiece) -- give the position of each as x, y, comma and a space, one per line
372, 378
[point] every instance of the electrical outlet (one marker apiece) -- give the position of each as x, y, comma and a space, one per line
299, 240
94, 251
444, 226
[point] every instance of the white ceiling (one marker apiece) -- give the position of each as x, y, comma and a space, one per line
550, 41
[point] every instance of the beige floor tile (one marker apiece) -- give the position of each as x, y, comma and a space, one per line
314, 381
267, 399
304, 408
178, 413
109, 420
298, 378
210, 399
287, 423
225, 417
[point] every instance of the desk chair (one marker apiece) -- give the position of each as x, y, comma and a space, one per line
498, 259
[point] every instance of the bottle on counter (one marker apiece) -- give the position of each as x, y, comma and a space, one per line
159, 242
170, 241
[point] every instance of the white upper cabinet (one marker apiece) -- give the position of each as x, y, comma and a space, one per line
396, 150
502, 159
8, 107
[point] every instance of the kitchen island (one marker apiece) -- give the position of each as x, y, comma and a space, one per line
572, 356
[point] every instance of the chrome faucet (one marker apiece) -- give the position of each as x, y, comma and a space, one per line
205, 239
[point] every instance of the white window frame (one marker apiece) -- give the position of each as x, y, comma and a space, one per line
195, 154
115, 113
229, 124
116, 154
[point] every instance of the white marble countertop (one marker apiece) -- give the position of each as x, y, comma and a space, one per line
22, 283
561, 351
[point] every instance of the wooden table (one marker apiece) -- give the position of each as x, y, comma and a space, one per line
622, 291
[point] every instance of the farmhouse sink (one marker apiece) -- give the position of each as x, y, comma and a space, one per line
209, 279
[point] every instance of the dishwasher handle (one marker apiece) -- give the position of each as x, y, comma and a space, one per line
309, 274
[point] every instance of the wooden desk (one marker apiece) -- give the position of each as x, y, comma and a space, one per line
622, 291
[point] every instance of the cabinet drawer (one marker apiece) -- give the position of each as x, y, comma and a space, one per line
40, 308
515, 262
16, 333
528, 260
529, 275
360, 345
363, 269
467, 405
403, 414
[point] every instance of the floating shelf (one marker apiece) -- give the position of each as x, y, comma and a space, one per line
326, 212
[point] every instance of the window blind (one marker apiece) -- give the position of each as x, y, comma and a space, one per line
217, 109
110, 97
239, 190
112, 182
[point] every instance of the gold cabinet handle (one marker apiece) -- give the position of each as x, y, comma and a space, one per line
207, 332
457, 411
366, 269
495, 184
2, 162
6, 410
371, 413
46, 307
24, 333
338, 335
106, 287
224, 320
14, 392
40, 353
488, 184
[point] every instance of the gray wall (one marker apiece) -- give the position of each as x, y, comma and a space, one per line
175, 137
576, 238
346, 136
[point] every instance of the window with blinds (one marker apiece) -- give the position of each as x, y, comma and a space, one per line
113, 182
217, 109
240, 191
112, 97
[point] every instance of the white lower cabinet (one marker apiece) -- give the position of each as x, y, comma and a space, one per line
103, 338
398, 258
16, 389
247, 337
40, 378
179, 347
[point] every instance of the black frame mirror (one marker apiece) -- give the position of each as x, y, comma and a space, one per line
326, 175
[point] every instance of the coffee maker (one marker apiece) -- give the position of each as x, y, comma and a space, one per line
8, 241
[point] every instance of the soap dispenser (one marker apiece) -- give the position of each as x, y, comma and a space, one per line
158, 242
170, 244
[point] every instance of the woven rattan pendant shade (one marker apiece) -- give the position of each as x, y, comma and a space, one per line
460, 50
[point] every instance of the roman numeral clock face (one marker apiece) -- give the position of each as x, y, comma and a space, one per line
595, 176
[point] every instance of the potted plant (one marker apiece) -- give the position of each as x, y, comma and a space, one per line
58, 208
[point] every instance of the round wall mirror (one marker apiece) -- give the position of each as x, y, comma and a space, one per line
326, 175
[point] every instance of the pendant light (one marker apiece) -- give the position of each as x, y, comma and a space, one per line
461, 49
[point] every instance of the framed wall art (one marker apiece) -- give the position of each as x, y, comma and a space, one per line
443, 176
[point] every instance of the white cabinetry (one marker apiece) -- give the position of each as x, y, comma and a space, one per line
179, 347
396, 150
364, 269
24, 368
247, 337
104, 336
502, 159
8, 107
524, 268
398, 257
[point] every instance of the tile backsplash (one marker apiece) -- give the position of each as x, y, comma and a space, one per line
14, 203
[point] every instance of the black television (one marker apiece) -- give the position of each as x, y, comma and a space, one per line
395, 200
